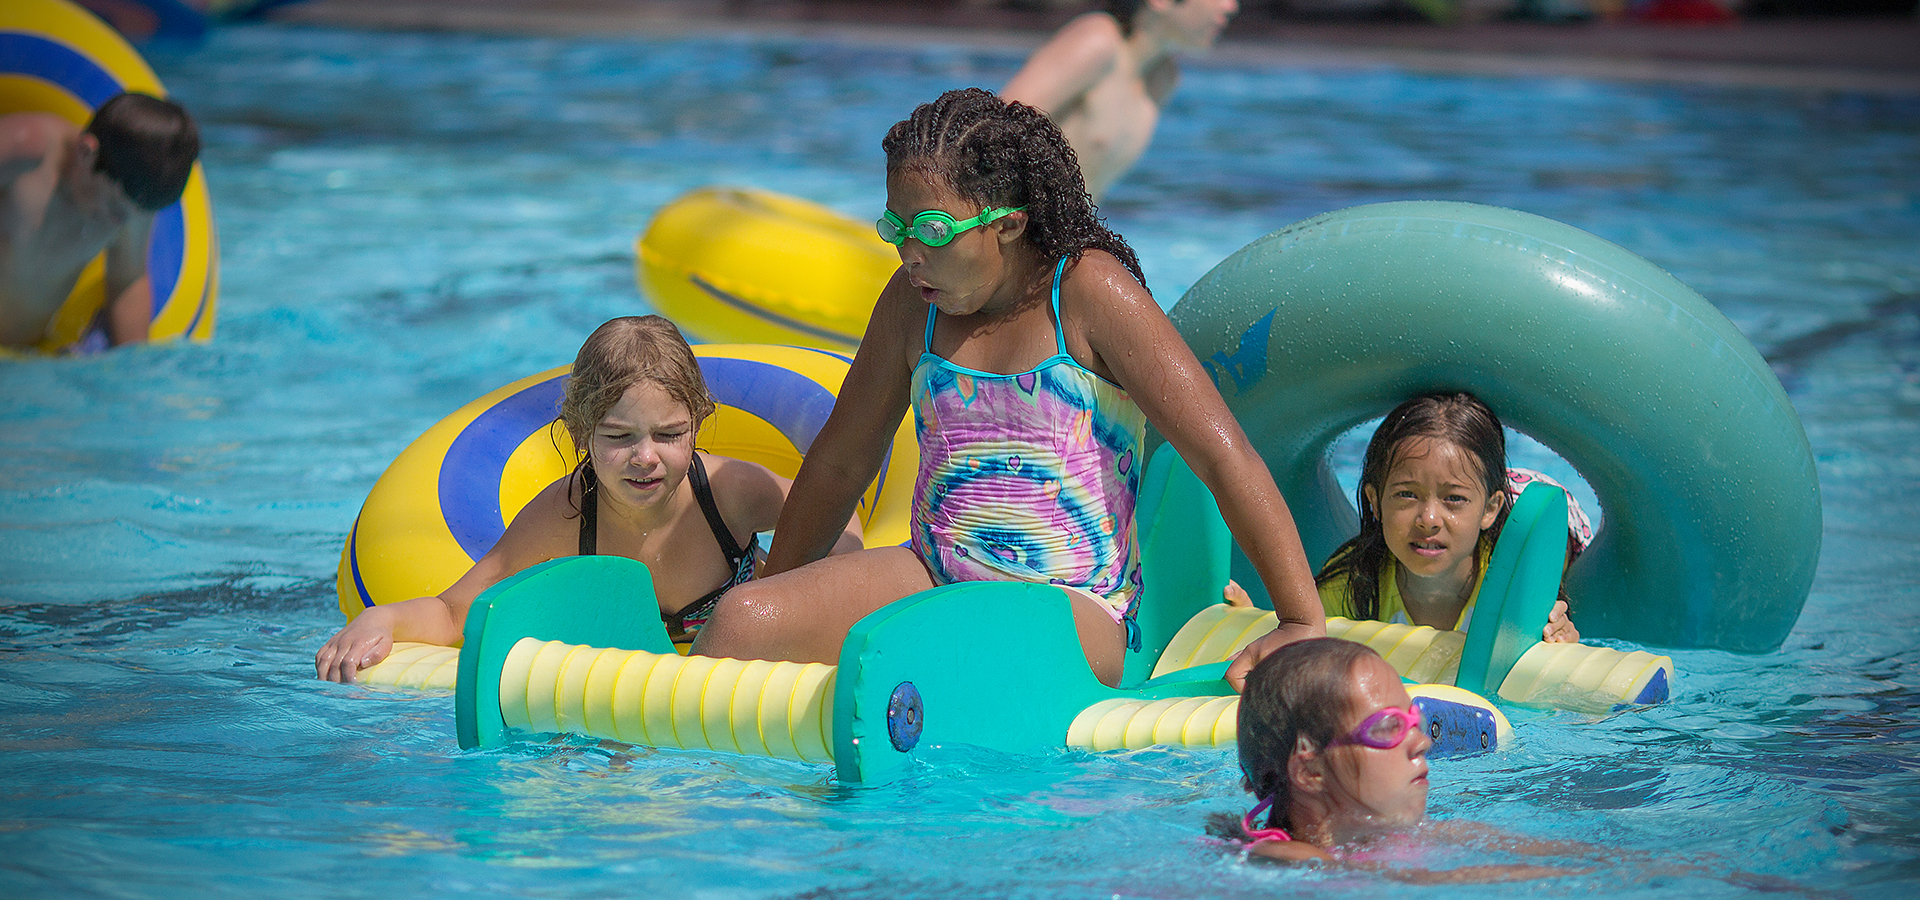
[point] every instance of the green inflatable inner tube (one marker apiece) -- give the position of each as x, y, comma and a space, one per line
1712, 526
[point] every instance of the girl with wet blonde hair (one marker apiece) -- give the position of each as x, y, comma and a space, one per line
641, 490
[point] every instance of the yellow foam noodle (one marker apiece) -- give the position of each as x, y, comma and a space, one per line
415, 666
757, 707
743, 708
628, 702
1218, 632
599, 687
770, 720
1417, 652
1124, 724
1214, 634
1582, 676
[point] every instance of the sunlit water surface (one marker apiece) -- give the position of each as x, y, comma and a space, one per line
409, 221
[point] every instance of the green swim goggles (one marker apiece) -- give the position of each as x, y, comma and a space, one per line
933, 227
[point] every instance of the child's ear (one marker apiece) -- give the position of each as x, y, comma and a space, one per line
1306, 771
1495, 503
1010, 227
1372, 498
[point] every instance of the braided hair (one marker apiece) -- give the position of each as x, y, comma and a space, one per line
996, 153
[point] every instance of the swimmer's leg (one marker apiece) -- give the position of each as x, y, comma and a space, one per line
803, 615
1101, 638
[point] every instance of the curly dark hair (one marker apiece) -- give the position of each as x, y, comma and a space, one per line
997, 153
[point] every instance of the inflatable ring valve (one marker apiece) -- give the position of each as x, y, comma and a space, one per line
58, 58
1669, 413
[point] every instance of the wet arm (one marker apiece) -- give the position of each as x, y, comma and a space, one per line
1147, 356
129, 311
441, 618
847, 453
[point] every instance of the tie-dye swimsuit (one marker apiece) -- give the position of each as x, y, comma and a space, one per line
1029, 477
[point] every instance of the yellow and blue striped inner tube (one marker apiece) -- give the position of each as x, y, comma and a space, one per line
58, 58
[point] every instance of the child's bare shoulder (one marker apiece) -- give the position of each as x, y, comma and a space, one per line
1081, 53
1091, 29
748, 493
27, 139
1101, 281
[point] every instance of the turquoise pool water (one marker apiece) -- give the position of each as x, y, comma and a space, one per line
410, 221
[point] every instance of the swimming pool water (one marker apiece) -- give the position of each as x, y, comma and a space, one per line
409, 221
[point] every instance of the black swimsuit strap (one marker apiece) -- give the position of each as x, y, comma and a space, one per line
589, 512
703, 492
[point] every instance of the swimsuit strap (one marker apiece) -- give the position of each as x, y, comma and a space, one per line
589, 511
682, 625
703, 492
1059, 334
1261, 835
1059, 337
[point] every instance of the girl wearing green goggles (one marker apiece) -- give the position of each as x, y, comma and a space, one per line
933, 227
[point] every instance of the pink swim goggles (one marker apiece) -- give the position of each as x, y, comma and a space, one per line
1384, 730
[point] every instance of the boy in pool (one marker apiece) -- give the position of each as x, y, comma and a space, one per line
71, 193
1104, 77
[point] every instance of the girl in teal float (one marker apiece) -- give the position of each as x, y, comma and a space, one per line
1434, 491
1020, 333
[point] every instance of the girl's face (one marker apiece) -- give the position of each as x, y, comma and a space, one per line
963, 276
1382, 786
1433, 507
643, 447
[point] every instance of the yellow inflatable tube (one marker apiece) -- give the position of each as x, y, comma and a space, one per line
1123, 724
1569, 676
449, 496
751, 266
58, 58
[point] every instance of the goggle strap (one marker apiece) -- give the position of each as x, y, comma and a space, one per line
1259, 835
